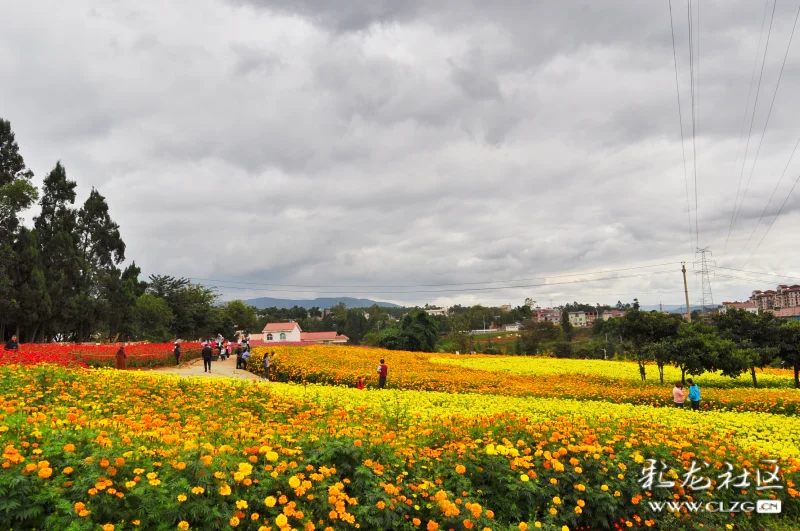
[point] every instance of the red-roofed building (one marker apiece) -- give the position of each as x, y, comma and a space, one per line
281, 332
323, 337
292, 333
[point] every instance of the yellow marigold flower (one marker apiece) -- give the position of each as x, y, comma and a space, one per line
181, 497
604, 487
183, 525
83, 513
270, 501
524, 478
556, 500
523, 526
241, 504
137, 522
272, 456
45, 473
198, 490
68, 470
564, 528
108, 527
225, 489
254, 516
233, 521
281, 520
460, 469
294, 482
69, 447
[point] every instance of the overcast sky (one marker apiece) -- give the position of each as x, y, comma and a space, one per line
378, 142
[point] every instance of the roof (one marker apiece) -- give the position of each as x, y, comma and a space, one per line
280, 327
322, 336
787, 312
740, 304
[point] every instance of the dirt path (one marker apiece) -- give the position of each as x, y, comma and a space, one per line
225, 368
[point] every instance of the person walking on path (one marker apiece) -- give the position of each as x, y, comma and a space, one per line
678, 394
694, 394
266, 363
207, 353
12, 344
383, 372
177, 352
121, 358
239, 358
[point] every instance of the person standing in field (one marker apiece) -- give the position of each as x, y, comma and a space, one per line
383, 372
265, 364
360, 383
678, 394
120, 363
177, 352
12, 344
694, 394
207, 353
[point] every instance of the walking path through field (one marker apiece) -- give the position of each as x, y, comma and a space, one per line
218, 368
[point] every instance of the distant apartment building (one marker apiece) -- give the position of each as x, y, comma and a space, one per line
549, 315
746, 306
437, 312
784, 296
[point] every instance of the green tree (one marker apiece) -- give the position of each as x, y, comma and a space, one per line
756, 336
32, 300
236, 315
566, 326
56, 228
460, 333
152, 318
16, 194
355, 325
789, 347
419, 332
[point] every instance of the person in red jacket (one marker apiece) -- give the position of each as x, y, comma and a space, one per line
360, 383
383, 371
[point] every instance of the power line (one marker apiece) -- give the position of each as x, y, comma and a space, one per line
432, 285
680, 123
747, 105
462, 290
769, 114
694, 143
773, 194
773, 221
758, 273
752, 117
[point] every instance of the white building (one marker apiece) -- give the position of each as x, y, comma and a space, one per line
751, 307
437, 311
578, 319
511, 327
282, 332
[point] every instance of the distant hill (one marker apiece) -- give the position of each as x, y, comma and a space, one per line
322, 303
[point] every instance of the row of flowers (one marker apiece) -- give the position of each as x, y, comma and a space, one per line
344, 365
138, 355
117, 450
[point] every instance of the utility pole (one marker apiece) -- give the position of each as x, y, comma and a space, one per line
686, 292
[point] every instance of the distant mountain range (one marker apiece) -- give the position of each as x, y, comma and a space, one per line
321, 303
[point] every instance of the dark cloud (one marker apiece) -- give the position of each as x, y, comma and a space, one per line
381, 142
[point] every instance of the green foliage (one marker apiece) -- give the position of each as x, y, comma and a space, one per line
151, 318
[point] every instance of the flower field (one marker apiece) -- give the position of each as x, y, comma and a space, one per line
342, 365
138, 355
118, 450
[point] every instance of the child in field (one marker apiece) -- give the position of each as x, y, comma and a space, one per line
360, 383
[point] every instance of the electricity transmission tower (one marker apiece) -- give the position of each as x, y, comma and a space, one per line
701, 268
